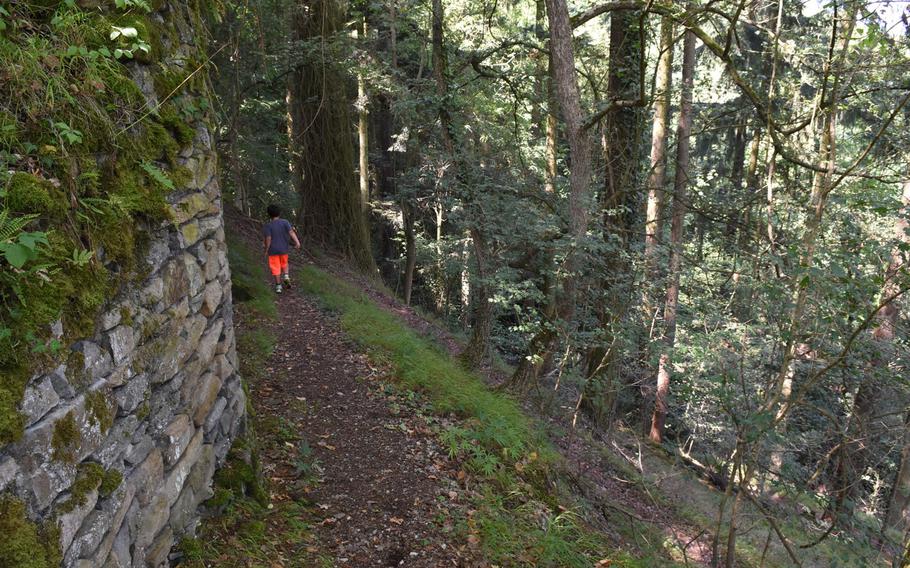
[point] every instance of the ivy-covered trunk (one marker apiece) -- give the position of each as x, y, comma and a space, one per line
321, 138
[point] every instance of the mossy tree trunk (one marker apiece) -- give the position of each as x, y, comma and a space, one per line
322, 146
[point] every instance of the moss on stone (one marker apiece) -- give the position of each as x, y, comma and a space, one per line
183, 133
240, 476
182, 177
99, 411
111, 481
89, 477
126, 316
24, 543
27, 193
66, 439
143, 411
75, 364
11, 420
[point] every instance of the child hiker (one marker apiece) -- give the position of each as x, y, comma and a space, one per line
278, 234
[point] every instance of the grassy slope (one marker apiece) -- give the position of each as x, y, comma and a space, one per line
518, 521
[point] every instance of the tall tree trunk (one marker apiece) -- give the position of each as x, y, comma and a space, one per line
568, 101
322, 147
659, 136
363, 134
680, 183
621, 205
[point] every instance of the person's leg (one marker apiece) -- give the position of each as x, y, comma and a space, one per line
285, 270
275, 269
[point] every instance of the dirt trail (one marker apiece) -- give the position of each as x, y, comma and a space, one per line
384, 483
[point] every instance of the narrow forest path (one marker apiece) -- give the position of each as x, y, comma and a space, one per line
383, 482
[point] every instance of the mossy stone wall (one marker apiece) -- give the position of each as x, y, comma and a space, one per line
109, 442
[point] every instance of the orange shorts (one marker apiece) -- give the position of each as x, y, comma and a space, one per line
278, 263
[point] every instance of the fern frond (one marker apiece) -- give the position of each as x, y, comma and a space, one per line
12, 226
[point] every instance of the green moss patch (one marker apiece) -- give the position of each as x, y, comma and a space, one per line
99, 410
88, 478
27, 193
66, 439
110, 482
25, 544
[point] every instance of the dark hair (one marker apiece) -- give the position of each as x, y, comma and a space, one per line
274, 211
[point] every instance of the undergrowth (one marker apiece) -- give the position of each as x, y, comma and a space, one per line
85, 170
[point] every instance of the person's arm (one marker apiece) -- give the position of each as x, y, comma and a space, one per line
268, 243
295, 239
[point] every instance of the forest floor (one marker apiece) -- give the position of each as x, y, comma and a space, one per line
364, 466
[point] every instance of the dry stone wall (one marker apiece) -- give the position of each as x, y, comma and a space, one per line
123, 437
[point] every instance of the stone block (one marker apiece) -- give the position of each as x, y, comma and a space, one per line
211, 298
177, 436
147, 477
61, 384
175, 281
209, 226
195, 278
9, 469
157, 554
111, 318
189, 234
158, 253
120, 556
205, 350
96, 362
214, 416
153, 292
115, 525
117, 443
173, 483
139, 450
210, 257
40, 398
204, 398
70, 522
132, 394
193, 205
122, 340
152, 518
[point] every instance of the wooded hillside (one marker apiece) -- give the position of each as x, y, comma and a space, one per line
688, 220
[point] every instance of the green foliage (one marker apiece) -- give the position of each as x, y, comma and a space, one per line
24, 544
84, 168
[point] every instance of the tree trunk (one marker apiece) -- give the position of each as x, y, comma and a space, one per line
621, 205
363, 135
659, 136
322, 147
478, 347
410, 250
568, 101
680, 183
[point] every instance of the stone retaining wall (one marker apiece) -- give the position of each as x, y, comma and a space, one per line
123, 437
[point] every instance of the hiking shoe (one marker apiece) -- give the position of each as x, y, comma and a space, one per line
277, 288
287, 281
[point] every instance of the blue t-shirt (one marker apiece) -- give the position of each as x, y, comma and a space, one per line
280, 231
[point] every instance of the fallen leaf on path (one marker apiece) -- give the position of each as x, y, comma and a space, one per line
396, 520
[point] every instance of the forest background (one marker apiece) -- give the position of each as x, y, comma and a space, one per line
685, 220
